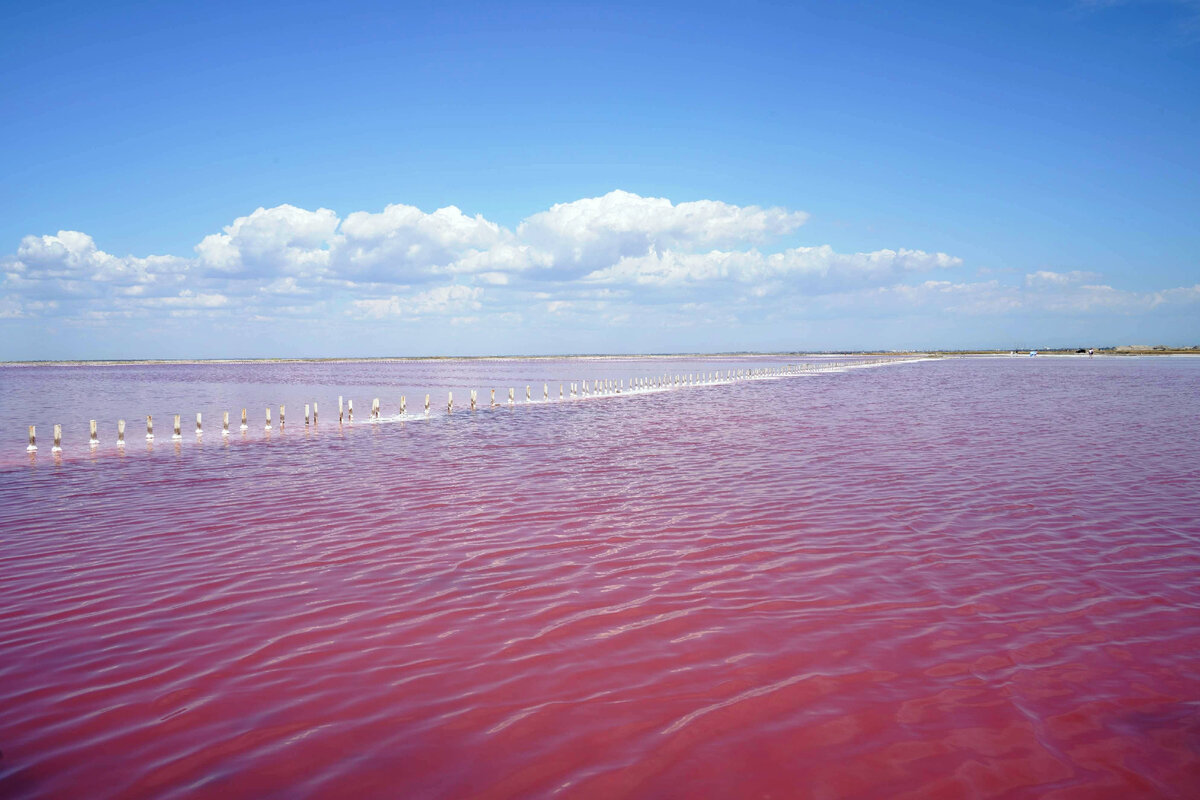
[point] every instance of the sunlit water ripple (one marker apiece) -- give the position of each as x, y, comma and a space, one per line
961, 578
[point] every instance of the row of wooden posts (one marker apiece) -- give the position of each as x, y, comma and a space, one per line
581, 389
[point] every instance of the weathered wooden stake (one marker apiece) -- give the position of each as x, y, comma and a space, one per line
449, 402
512, 393
545, 391
149, 428
120, 433
341, 411
350, 411
224, 423
92, 440
244, 426
403, 405
281, 416
57, 439
314, 412
176, 434
427, 405
268, 418
528, 396
474, 397
306, 410
199, 426
32, 439
560, 391
375, 408
493, 398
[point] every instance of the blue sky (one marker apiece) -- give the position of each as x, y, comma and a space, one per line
223, 180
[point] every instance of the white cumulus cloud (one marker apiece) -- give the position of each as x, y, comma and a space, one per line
441, 300
597, 232
812, 264
609, 260
272, 241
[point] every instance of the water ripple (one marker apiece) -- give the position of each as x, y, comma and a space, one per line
945, 579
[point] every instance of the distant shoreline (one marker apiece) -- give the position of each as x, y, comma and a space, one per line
118, 362
407, 359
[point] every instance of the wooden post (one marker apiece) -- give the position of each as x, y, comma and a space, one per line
281, 416
199, 426
224, 423
32, 439
306, 410
449, 402
341, 411
177, 434
474, 397
57, 439
349, 411
427, 405
512, 393
375, 408
314, 412
92, 431
560, 391
545, 392
120, 433
493, 398
403, 405
268, 418
528, 396
244, 419
149, 428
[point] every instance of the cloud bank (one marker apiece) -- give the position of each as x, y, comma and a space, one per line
602, 261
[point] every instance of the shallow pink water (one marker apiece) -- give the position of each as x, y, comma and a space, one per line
942, 579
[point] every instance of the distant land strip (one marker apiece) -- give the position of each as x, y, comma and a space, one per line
1120, 350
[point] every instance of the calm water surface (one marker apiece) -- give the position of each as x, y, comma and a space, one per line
946, 579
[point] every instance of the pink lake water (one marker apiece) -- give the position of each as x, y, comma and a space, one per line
942, 579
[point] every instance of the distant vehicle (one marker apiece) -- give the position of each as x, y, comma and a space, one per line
1033, 352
